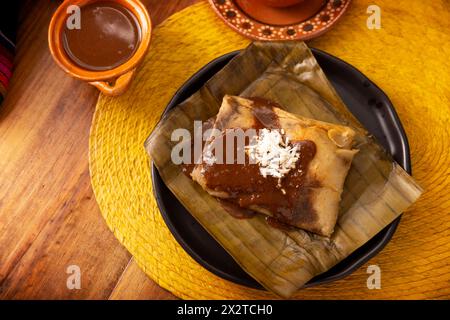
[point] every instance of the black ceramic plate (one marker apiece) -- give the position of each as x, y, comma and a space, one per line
364, 99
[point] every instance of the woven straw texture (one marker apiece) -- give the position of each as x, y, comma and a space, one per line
408, 60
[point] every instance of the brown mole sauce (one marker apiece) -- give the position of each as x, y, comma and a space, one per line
108, 36
247, 187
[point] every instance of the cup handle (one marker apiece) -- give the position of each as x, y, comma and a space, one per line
118, 87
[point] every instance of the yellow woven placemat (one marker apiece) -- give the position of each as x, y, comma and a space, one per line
408, 58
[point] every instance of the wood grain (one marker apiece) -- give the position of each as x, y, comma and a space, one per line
48, 215
136, 285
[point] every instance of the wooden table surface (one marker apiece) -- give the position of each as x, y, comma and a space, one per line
49, 218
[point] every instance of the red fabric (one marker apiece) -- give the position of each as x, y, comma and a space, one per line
4, 81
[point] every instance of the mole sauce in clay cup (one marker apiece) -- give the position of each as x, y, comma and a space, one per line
105, 45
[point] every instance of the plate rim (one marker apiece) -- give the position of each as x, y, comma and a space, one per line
388, 231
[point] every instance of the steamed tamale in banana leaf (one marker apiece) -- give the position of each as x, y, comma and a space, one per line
299, 169
375, 192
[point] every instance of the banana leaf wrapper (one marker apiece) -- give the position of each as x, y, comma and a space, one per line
376, 191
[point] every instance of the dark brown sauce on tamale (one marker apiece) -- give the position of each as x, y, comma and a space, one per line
235, 211
275, 223
264, 115
290, 202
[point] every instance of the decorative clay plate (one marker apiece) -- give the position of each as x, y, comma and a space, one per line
303, 21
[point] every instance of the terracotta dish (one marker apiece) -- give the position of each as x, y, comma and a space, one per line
288, 20
113, 78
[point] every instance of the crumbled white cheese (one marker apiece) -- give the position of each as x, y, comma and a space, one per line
274, 155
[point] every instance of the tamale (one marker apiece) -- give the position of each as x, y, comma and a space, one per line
376, 191
308, 196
